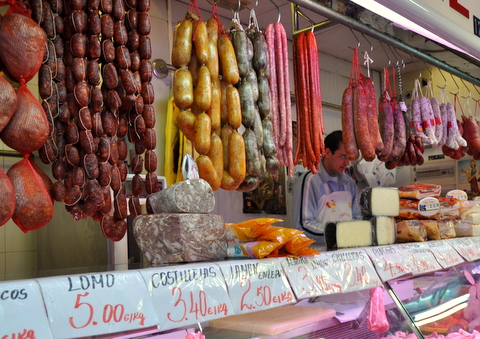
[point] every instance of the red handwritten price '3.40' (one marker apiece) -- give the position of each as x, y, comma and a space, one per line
194, 304
263, 296
110, 314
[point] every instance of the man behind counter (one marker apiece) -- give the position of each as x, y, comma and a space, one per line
329, 195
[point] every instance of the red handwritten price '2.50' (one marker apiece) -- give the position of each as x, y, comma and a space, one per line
196, 305
263, 296
111, 313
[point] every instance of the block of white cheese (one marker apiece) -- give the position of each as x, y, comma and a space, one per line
189, 196
384, 229
180, 237
343, 234
474, 218
380, 201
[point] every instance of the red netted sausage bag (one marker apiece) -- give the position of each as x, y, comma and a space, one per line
34, 207
23, 42
8, 102
7, 198
28, 128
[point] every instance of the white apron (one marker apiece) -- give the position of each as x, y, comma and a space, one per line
334, 206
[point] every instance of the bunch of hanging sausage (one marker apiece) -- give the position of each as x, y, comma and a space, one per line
222, 87
96, 91
24, 127
310, 130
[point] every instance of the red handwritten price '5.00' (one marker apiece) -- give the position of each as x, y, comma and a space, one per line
111, 313
262, 297
25, 334
196, 305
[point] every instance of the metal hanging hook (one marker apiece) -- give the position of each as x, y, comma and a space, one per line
278, 10
468, 89
371, 46
299, 11
386, 54
428, 69
445, 85
358, 41
458, 87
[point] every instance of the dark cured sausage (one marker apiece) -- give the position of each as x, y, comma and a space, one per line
348, 131
400, 133
386, 127
360, 119
372, 112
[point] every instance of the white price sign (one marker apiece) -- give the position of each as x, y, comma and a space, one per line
419, 258
444, 253
96, 303
187, 294
476, 241
300, 275
466, 248
325, 275
256, 285
355, 270
389, 262
22, 311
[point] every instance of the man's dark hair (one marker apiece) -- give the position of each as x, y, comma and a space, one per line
333, 141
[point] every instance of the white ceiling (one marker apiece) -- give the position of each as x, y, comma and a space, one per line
339, 40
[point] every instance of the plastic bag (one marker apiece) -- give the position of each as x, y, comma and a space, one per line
250, 230
377, 318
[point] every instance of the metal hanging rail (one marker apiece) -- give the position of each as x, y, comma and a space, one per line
333, 15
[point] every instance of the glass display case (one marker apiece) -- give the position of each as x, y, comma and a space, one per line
325, 296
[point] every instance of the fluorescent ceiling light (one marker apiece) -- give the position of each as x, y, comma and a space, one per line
405, 23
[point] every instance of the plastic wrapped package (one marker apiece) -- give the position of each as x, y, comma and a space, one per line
449, 209
466, 228
411, 231
180, 237
419, 191
189, 196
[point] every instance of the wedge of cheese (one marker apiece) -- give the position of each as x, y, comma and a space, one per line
380, 201
384, 229
343, 234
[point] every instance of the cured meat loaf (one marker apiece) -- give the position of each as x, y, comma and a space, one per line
189, 196
419, 191
180, 237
